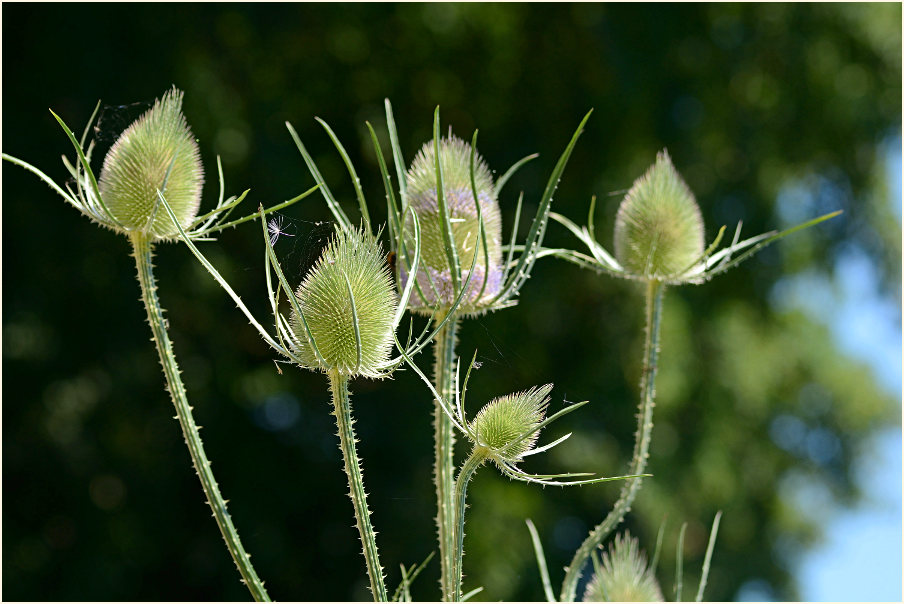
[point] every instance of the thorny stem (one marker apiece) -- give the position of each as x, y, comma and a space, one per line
474, 461
343, 412
142, 248
444, 441
641, 444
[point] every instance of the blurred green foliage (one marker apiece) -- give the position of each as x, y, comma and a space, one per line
99, 500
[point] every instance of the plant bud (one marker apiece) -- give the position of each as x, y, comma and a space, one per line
137, 166
455, 159
352, 267
623, 575
502, 422
658, 228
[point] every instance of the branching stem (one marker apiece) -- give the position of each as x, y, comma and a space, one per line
343, 412
641, 444
142, 248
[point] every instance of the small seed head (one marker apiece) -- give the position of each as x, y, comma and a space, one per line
455, 159
658, 228
137, 166
502, 422
624, 575
352, 267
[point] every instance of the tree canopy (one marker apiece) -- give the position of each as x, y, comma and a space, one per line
773, 114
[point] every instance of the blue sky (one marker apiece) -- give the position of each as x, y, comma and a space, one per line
860, 559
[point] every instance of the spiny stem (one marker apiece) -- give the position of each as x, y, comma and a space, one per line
475, 460
142, 248
444, 441
641, 444
343, 411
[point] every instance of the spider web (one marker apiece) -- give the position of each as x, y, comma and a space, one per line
308, 239
112, 120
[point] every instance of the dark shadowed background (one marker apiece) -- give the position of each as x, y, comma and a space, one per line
773, 113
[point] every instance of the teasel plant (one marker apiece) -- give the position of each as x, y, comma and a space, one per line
450, 189
622, 574
342, 321
154, 156
659, 241
503, 432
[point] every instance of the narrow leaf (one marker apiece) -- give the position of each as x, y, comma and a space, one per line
511, 172
331, 202
709, 554
541, 561
356, 182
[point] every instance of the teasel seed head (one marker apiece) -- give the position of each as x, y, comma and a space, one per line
349, 285
455, 159
156, 152
502, 422
623, 575
658, 228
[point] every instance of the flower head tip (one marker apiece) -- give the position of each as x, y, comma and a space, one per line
156, 152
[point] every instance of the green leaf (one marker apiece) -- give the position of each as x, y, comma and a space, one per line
541, 561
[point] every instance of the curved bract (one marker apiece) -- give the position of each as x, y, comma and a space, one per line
435, 279
156, 152
659, 234
349, 302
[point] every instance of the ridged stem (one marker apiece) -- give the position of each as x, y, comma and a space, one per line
641, 445
143, 253
475, 460
444, 442
343, 411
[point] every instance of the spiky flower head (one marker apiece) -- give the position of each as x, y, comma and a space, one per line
658, 228
434, 276
349, 304
502, 423
624, 575
156, 152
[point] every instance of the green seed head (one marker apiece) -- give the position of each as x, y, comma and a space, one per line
658, 228
502, 422
455, 159
157, 151
349, 304
624, 575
